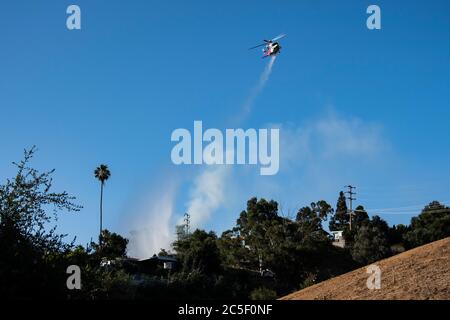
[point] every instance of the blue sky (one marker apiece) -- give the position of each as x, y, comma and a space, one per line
370, 108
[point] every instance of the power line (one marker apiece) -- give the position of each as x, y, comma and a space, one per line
406, 208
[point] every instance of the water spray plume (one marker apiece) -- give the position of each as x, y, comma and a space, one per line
256, 91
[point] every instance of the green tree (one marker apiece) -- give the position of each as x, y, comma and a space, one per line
360, 216
101, 173
432, 224
340, 220
260, 228
371, 241
113, 246
199, 252
309, 220
32, 252
315, 214
232, 249
397, 234
164, 253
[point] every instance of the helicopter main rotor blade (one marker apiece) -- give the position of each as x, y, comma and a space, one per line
260, 45
279, 37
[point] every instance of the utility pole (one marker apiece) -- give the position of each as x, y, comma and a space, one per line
350, 199
187, 222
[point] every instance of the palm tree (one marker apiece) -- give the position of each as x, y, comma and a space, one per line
102, 173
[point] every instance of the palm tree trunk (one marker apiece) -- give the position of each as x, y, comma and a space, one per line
101, 214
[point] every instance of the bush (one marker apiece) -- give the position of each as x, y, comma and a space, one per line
310, 280
263, 294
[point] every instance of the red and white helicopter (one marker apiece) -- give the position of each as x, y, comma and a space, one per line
271, 47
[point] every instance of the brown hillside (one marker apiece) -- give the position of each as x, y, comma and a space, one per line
418, 274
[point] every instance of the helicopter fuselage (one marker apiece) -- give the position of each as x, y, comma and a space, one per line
271, 49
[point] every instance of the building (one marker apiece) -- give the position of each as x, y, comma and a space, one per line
156, 264
338, 238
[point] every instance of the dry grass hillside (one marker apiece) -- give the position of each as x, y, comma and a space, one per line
420, 273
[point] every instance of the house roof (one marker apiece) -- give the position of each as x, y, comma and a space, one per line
160, 258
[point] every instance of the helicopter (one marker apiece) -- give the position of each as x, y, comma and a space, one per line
271, 47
